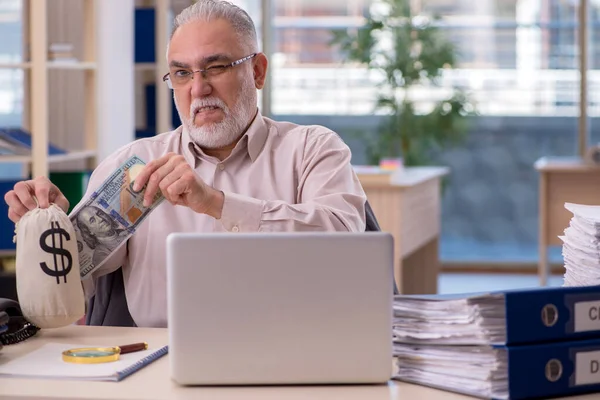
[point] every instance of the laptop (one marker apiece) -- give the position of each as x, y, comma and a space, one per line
280, 308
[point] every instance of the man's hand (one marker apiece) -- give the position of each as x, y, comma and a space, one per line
179, 184
20, 199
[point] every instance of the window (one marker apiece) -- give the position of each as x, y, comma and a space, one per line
11, 79
522, 70
307, 72
519, 61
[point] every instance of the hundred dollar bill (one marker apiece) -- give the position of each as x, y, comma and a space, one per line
110, 216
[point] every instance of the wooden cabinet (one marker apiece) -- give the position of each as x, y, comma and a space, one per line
562, 180
408, 205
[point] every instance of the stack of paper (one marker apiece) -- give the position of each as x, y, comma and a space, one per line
479, 371
444, 341
512, 344
450, 319
581, 246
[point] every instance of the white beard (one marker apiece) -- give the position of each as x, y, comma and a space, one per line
227, 131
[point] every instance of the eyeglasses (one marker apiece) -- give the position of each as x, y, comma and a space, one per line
181, 78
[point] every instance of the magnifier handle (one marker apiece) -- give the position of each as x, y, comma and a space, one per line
130, 348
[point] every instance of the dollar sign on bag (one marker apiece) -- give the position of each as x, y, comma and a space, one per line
56, 251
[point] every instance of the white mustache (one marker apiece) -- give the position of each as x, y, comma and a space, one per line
210, 102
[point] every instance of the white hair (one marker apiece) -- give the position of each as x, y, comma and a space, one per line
210, 10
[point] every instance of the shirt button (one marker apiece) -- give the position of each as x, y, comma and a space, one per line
221, 166
235, 229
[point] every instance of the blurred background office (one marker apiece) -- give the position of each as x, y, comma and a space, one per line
485, 88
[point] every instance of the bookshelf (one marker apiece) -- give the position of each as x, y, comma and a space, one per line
81, 101
154, 66
52, 159
38, 71
145, 67
69, 100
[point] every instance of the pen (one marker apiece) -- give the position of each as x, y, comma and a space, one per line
130, 348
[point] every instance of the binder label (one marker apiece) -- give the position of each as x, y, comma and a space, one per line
587, 316
587, 367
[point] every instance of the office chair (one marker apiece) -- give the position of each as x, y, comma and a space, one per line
108, 307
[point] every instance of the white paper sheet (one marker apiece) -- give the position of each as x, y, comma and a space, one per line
46, 362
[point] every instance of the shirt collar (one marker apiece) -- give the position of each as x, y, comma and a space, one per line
251, 142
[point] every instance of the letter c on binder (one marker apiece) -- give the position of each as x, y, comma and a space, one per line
593, 313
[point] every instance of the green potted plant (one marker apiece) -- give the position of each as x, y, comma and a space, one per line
410, 53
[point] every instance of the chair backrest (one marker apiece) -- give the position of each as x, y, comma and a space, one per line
109, 305
372, 224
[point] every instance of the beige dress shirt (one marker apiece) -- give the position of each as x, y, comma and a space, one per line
280, 177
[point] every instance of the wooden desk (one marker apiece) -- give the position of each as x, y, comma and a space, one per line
562, 180
153, 382
408, 205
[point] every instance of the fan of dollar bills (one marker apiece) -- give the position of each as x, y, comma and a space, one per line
117, 210
581, 246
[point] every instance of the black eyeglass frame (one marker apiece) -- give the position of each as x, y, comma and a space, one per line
217, 68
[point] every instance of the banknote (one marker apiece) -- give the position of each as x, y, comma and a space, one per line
110, 216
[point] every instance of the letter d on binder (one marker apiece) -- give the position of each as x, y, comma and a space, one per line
587, 367
594, 366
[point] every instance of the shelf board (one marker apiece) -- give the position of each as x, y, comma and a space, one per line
145, 66
71, 65
53, 65
8, 254
71, 156
8, 274
25, 65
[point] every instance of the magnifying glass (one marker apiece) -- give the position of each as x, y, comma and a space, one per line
96, 355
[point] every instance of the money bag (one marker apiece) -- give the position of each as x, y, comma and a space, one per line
47, 268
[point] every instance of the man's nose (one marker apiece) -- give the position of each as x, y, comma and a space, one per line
200, 85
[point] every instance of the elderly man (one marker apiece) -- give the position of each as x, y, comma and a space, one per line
227, 168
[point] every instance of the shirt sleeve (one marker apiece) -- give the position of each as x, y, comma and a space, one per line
330, 196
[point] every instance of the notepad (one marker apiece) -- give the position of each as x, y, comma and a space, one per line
46, 362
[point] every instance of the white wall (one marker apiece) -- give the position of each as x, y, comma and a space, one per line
115, 82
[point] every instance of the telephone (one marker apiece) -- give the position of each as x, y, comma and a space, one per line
14, 328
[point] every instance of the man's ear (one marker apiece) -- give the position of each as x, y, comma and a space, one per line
260, 70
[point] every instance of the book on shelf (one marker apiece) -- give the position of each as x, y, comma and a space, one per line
144, 35
513, 344
72, 184
61, 52
15, 141
7, 227
150, 103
